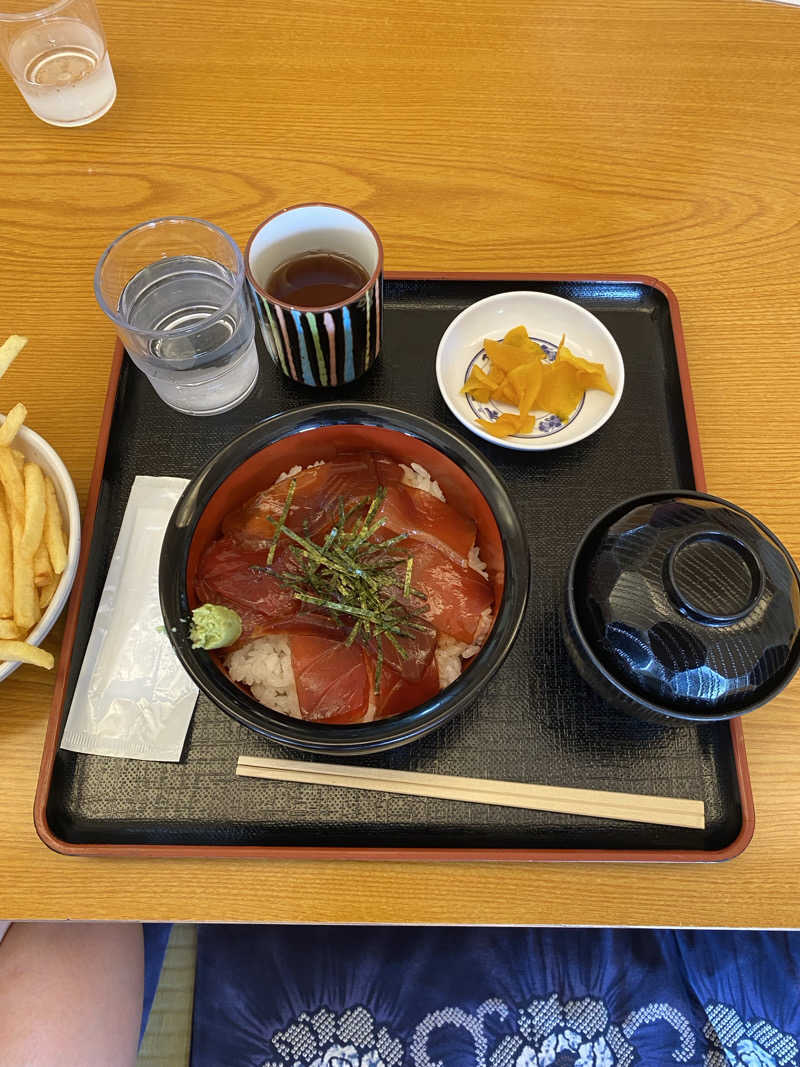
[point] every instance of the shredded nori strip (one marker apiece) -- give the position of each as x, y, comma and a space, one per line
282, 520
353, 576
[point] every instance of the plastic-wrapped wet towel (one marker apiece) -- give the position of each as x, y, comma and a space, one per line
133, 698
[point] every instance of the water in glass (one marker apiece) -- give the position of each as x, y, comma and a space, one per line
62, 69
202, 370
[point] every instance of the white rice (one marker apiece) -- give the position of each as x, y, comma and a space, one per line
450, 653
292, 471
266, 666
286, 474
266, 663
418, 478
474, 560
448, 659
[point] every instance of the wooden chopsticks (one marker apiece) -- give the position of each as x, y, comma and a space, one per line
632, 807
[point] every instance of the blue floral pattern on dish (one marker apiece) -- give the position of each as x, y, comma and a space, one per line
551, 423
491, 412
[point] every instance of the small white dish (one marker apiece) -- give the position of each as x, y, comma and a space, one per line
35, 448
546, 318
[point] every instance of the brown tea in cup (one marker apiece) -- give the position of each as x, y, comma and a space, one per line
316, 273
317, 279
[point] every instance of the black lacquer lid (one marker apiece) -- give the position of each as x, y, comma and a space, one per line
690, 603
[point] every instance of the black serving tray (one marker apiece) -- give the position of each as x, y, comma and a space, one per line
535, 722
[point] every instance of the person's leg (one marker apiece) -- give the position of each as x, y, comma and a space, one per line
70, 994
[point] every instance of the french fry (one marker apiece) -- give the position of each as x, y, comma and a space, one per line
33, 530
25, 608
14, 419
46, 592
11, 480
54, 530
26, 540
33, 550
33, 547
26, 602
6, 566
42, 568
10, 350
22, 652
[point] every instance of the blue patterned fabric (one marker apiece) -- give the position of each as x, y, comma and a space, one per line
156, 936
349, 996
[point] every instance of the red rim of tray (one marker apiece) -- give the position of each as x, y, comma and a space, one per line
432, 855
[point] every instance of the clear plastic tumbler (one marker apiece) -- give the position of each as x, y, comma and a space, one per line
58, 59
174, 288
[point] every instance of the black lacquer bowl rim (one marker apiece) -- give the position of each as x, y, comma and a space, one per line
357, 738
595, 530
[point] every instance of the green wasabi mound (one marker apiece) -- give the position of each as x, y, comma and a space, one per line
214, 626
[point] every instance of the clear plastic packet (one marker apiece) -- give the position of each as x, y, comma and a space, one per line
133, 698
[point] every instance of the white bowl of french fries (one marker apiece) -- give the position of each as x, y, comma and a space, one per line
39, 541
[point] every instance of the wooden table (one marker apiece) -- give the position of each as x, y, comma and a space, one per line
645, 136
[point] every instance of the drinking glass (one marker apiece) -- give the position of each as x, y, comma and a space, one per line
58, 59
174, 288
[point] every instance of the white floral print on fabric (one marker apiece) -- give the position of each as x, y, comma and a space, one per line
550, 1030
755, 1043
475, 1025
549, 1033
660, 1012
324, 1039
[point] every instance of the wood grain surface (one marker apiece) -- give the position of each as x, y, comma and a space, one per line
645, 136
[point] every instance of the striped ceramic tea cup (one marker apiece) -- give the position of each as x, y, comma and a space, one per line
316, 271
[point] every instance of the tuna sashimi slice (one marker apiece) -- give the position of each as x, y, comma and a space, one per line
428, 519
397, 695
417, 652
226, 575
457, 596
332, 679
350, 477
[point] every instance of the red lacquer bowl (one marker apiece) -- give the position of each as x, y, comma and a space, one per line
253, 461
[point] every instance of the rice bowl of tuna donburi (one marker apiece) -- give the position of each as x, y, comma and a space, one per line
344, 578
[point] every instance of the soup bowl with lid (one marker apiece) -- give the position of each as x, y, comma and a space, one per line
682, 607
